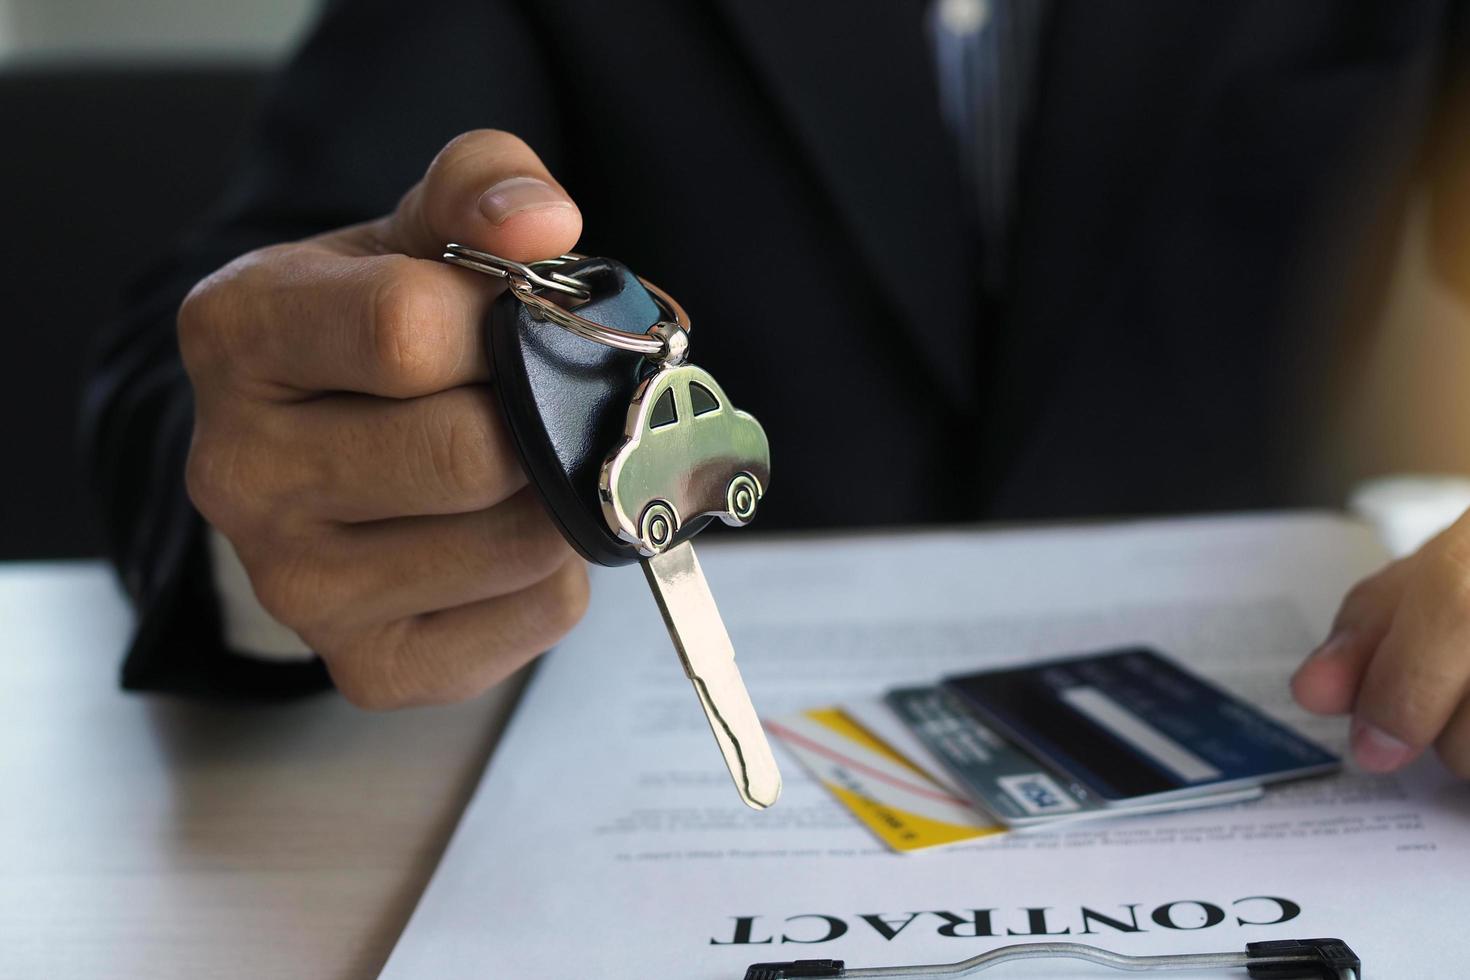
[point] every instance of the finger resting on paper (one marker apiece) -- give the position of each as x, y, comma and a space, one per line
1328, 679
1418, 675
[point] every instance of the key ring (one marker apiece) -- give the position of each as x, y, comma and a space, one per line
667, 341
494, 265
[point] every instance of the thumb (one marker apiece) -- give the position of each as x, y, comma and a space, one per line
488, 190
1327, 682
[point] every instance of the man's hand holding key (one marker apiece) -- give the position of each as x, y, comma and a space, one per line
347, 443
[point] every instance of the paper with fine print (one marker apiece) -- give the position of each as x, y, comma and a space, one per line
606, 837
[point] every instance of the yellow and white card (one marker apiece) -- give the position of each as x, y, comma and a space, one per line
895, 799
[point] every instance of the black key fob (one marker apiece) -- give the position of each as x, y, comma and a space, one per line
566, 399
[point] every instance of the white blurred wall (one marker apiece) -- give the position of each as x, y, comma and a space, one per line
131, 29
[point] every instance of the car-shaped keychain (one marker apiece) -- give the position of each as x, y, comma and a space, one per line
687, 453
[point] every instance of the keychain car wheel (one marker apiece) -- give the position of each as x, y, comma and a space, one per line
658, 526
741, 498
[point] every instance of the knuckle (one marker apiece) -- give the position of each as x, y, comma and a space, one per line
212, 480
531, 548
363, 683
281, 470
420, 676
576, 595
451, 690
236, 472
562, 600
411, 347
278, 589
212, 322
201, 324
298, 591
463, 457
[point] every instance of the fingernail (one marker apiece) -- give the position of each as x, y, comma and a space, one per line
1333, 645
1376, 750
515, 195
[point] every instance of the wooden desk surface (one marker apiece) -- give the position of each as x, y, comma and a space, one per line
152, 837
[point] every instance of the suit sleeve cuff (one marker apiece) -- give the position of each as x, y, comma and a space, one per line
248, 630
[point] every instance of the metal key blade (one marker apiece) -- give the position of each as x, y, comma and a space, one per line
704, 647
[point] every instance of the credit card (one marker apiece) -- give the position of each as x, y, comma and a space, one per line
1131, 725
887, 793
884, 723
1006, 781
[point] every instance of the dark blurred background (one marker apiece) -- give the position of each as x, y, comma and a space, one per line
119, 121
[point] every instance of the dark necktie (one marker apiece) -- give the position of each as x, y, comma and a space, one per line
986, 54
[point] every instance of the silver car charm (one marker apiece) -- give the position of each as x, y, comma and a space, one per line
688, 453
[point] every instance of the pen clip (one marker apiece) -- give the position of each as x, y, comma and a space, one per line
1328, 959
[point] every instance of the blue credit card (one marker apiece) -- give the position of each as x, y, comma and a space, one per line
1000, 777
1010, 784
1131, 724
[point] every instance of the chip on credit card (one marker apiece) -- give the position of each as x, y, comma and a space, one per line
1008, 782
1131, 725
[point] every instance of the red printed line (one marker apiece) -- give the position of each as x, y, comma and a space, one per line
877, 774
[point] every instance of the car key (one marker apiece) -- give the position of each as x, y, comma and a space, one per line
633, 451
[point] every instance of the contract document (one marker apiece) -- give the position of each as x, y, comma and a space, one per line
606, 841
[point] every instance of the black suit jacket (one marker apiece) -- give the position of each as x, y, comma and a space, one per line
1206, 199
